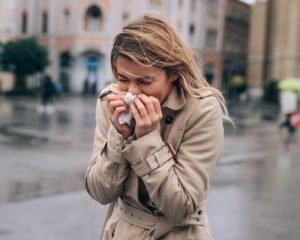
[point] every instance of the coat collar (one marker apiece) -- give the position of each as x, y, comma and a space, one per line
175, 100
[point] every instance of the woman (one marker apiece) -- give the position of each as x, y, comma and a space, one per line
155, 170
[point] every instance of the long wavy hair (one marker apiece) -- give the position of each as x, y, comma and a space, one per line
151, 41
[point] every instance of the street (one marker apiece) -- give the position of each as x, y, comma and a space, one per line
254, 191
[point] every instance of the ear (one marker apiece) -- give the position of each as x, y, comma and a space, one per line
173, 77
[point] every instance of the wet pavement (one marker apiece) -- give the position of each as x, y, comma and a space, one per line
254, 191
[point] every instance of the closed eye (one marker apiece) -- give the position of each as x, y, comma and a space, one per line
123, 80
144, 81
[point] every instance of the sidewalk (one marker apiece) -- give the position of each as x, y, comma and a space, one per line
254, 189
69, 216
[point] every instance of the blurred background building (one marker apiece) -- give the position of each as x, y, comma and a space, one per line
79, 33
8, 30
226, 43
274, 50
8, 23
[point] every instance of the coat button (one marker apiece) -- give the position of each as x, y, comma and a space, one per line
169, 120
199, 212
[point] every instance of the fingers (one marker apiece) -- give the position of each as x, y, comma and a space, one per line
147, 113
152, 106
145, 109
142, 109
147, 102
157, 106
135, 113
116, 106
114, 101
113, 105
117, 112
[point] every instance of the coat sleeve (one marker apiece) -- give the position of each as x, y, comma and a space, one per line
178, 187
107, 169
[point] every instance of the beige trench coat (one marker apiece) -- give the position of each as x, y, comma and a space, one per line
160, 181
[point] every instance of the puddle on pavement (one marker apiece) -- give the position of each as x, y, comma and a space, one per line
30, 127
49, 185
18, 138
63, 118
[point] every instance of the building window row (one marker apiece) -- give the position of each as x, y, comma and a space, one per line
44, 22
24, 22
93, 21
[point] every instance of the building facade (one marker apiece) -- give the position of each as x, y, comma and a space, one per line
274, 43
8, 30
235, 43
212, 54
226, 44
257, 46
79, 33
8, 23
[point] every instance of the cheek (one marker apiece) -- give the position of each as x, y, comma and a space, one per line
157, 94
123, 87
149, 92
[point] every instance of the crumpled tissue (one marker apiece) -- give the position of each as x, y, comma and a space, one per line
127, 117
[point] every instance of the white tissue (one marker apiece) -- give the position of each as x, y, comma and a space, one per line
126, 117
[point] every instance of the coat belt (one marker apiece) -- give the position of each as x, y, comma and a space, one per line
158, 226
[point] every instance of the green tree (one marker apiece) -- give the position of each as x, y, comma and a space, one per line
1, 50
24, 57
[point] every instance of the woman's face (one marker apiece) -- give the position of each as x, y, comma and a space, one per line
135, 78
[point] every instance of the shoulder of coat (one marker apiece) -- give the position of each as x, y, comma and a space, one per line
206, 97
104, 93
205, 94
112, 88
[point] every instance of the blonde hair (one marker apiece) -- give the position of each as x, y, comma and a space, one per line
151, 41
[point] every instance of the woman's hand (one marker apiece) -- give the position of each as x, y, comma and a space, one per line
147, 113
116, 105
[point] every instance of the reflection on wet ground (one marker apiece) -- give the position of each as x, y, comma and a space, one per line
53, 184
21, 123
257, 181
25, 131
252, 141
254, 187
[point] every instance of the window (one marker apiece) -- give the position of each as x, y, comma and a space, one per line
192, 29
209, 72
125, 17
211, 40
66, 20
44, 22
93, 19
24, 22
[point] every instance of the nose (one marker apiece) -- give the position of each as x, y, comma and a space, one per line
134, 88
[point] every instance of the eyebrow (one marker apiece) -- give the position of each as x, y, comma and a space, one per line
137, 78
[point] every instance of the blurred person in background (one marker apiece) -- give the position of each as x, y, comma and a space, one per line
155, 171
237, 88
48, 92
90, 84
288, 109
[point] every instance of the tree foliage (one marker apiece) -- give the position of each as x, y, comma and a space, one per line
1, 50
24, 57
